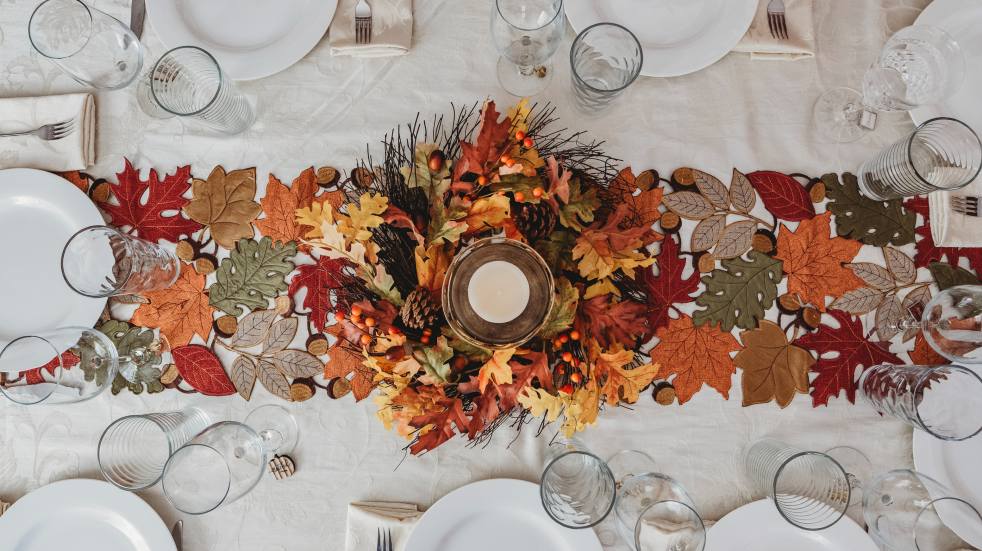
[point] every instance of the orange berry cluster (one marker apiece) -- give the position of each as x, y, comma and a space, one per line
569, 361
367, 324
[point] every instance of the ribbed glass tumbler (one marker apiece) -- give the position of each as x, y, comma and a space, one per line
134, 449
100, 261
943, 154
605, 59
577, 487
810, 489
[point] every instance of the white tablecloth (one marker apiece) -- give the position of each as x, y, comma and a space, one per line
743, 113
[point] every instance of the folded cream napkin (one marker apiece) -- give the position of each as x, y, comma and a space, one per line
367, 517
392, 29
76, 151
950, 229
4, 507
800, 43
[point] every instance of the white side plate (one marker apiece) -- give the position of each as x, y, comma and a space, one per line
956, 465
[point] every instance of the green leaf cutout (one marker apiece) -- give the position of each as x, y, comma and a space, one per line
946, 275
137, 358
740, 292
252, 274
872, 222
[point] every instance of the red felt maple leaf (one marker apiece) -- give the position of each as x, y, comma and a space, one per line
160, 216
668, 287
843, 354
200, 368
35, 376
319, 280
622, 322
928, 252
492, 141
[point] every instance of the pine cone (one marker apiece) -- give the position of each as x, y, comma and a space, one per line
535, 220
421, 310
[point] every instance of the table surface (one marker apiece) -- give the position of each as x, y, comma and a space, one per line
323, 110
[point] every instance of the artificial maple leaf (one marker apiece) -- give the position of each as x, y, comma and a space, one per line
180, 311
151, 220
609, 323
773, 368
844, 352
696, 356
492, 140
225, 203
488, 213
280, 206
602, 250
431, 266
344, 363
558, 179
668, 288
928, 251
319, 280
813, 260
541, 404
496, 369
619, 383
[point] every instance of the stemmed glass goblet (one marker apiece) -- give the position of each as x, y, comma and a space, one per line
951, 323
526, 34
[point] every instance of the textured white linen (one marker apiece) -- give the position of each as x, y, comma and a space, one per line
392, 29
323, 111
366, 518
75, 151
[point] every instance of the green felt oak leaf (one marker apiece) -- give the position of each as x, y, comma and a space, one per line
946, 275
872, 222
579, 210
138, 358
252, 274
563, 311
740, 292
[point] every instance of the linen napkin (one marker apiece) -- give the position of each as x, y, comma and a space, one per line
392, 29
4, 507
950, 229
365, 519
800, 44
76, 151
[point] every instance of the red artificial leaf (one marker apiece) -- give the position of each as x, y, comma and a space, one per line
319, 280
843, 354
622, 322
502, 398
35, 376
200, 368
492, 141
440, 424
668, 287
928, 252
783, 196
160, 216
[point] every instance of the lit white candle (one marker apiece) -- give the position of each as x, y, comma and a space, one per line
498, 291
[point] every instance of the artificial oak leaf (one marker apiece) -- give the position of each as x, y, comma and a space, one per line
252, 274
642, 204
179, 311
496, 369
435, 361
487, 213
437, 427
200, 368
159, 217
602, 250
612, 322
319, 280
558, 179
625, 385
316, 216
493, 139
364, 216
557, 250
668, 288
582, 410
225, 203
740, 292
867, 220
603, 287
843, 353
431, 266
696, 356
813, 261
782, 195
580, 208
773, 368
563, 312
541, 404
344, 363
280, 206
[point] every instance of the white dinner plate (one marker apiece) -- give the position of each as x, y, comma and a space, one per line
758, 526
39, 212
962, 19
678, 36
956, 465
84, 515
250, 38
495, 515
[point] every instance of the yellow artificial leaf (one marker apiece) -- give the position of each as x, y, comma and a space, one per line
519, 115
581, 410
496, 368
431, 266
541, 404
603, 287
626, 384
488, 212
363, 217
316, 216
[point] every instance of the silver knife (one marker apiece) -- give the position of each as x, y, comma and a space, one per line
177, 532
138, 11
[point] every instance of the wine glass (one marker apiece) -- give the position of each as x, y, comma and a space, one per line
526, 34
919, 65
952, 323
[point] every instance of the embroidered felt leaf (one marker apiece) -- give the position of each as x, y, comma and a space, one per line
873, 275
739, 293
158, 217
295, 363
858, 217
580, 208
243, 375
913, 304
66, 360
225, 203
319, 280
668, 288
946, 275
180, 311
742, 194
814, 261
858, 301
696, 356
541, 404
712, 189
252, 329
735, 239
488, 212
496, 369
844, 353
492, 140
707, 232
135, 343
618, 322
625, 385
689, 204
200, 368
280, 205
273, 379
888, 317
563, 311
252, 274
782, 195
344, 363
280, 336
900, 265
773, 368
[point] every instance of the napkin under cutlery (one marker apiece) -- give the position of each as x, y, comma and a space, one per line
800, 43
392, 29
367, 517
949, 228
76, 151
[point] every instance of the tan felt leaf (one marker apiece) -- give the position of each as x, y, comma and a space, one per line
858, 301
773, 368
873, 275
742, 194
243, 375
274, 380
888, 316
297, 363
712, 189
813, 260
280, 205
902, 266
706, 233
226, 204
735, 239
280, 335
689, 204
180, 311
252, 328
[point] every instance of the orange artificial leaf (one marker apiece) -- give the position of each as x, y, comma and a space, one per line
813, 261
602, 250
923, 354
344, 362
622, 384
180, 311
281, 203
496, 369
696, 356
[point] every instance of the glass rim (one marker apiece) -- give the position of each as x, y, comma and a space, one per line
88, 37
60, 367
634, 76
184, 449
919, 386
64, 250
637, 525
932, 504
102, 437
218, 89
603, 466
291, 420
910, 146
559, 10
845, 477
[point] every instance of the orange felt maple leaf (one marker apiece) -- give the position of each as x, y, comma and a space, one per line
180, 311
813, 261
695, 355
281, 204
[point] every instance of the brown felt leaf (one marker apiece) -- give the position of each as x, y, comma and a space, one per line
706, 233
874, 275
735, 239
813, 260
888, 317
243, 375
252, 328
742, 194
273, 379
280, 205
226, 204
712, 189
689, 204
773, 368
914, 304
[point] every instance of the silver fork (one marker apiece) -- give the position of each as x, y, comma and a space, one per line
384, 544
48, 132
776, 20
965, 204
363, 23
